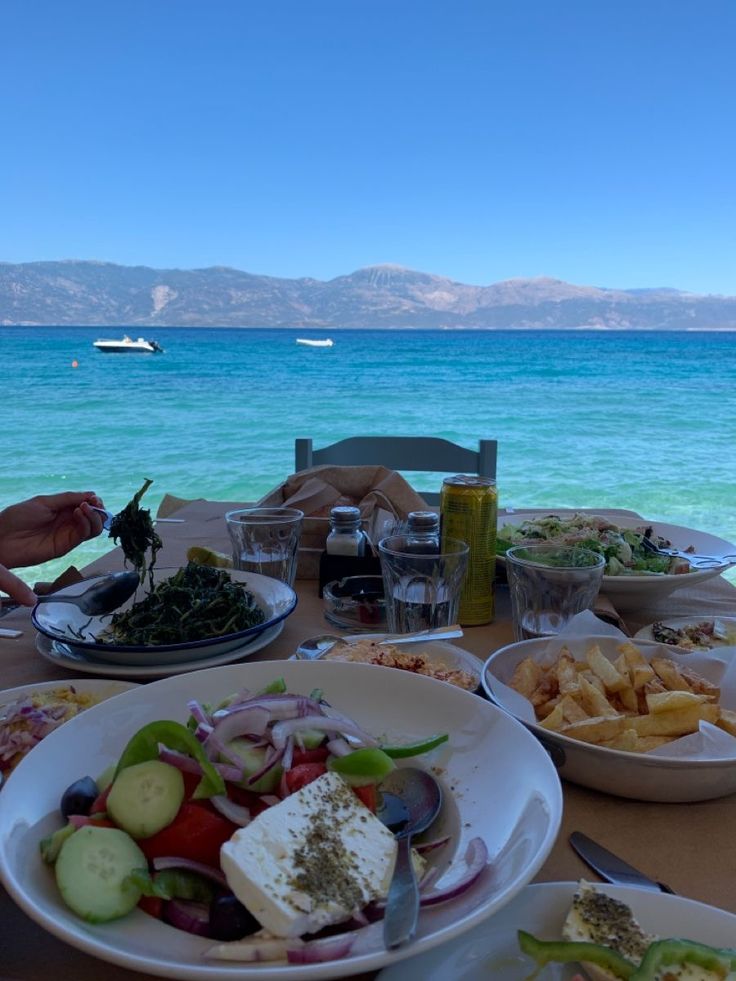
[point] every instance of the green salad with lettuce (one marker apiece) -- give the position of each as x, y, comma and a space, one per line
623, 548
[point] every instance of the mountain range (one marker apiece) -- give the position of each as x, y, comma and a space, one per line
80, 293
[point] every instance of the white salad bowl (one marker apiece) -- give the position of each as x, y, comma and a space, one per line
631, 592
66, 623
667, 775
499, 785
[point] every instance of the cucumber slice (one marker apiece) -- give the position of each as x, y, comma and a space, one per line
145, 797
252, 759
91, 873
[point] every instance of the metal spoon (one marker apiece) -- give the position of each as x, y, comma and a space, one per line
315, 647
411, 801
102, 597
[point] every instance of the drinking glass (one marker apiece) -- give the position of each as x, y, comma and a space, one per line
265, 540
422, 589
549, 584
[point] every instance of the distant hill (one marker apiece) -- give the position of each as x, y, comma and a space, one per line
107, 295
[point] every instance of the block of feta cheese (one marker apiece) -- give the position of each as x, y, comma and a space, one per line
314, 859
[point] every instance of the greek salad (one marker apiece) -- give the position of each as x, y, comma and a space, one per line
254, 825
625, 549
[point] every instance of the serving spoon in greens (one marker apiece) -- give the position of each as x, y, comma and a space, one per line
103, 596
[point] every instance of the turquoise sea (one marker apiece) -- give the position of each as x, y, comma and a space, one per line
641, 420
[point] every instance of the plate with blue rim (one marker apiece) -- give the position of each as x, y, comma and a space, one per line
83, 636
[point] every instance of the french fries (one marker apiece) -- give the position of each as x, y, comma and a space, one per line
628, 704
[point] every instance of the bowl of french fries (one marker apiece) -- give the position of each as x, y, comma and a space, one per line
636, 719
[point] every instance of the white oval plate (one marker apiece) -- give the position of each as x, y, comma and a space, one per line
647, 633
492, 950
64, 657
476, 776
632, 592
449, 655
65, 623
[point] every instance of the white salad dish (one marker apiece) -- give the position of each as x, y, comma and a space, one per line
491, 950
666, 775
438, 653
629, 592
64, 657
721, 632
519, 835
66, 623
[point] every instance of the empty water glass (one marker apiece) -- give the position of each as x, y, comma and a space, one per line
265, 540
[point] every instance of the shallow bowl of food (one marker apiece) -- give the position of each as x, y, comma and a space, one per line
265, 602
31, 712
474, 775
491, 950
692, 633
436, 659
600, 743
634, 576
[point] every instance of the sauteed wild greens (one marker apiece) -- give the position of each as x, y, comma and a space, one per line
196, 603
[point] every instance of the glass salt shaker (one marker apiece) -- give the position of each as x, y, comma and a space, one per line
345, 537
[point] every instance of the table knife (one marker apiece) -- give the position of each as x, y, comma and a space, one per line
610, 867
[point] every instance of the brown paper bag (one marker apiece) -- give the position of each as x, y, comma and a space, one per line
383, 496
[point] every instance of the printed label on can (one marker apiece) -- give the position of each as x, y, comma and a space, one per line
469, 510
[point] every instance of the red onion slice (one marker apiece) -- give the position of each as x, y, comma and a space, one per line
282, 730
476, 859
270, 762
233, 812
191, 917
319, 951
423, 847
183, 762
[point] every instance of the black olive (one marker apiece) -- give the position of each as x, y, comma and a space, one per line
229, 919
79, 797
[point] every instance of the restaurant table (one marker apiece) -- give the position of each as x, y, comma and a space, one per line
691, 847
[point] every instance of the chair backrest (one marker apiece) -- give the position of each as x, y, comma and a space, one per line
404, 453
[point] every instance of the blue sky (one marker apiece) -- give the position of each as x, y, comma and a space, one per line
589, 140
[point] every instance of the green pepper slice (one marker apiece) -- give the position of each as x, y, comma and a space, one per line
362, 766
144, 746
173, 884
570, 951
415, 749
666, 953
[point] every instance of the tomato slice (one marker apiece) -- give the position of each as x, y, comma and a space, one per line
368, 795
196, 833
151, 905
303, 774
318, 755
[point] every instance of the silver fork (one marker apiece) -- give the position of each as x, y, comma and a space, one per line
108, 516
696, 561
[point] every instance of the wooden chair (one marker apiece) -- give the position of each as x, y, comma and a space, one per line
429, 454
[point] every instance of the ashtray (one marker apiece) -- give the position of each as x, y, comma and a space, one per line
356, 602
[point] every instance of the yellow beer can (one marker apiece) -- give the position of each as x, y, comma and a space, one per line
469, 511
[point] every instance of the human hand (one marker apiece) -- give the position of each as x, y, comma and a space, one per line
16, 588
46, 527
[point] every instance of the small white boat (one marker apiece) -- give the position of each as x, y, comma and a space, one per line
311, 342
128, 345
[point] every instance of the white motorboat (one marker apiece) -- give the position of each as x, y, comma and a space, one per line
127, 344
313, 342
